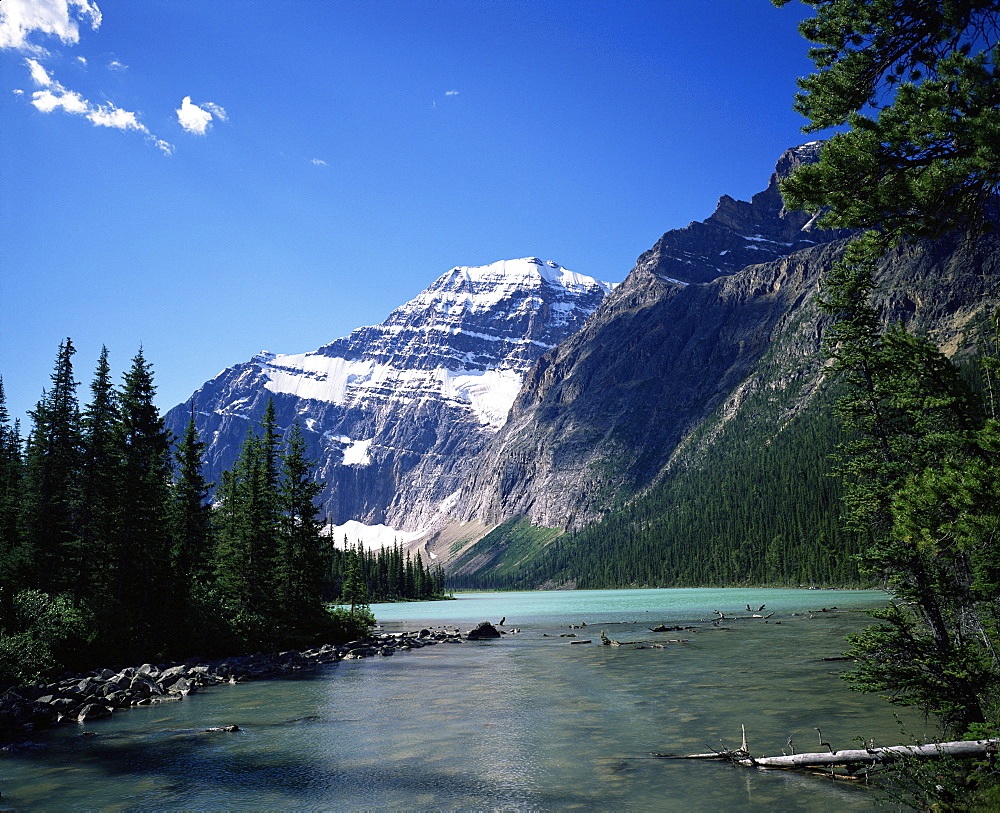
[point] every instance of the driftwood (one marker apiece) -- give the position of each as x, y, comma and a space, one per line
852, 757
724, 617
641, 644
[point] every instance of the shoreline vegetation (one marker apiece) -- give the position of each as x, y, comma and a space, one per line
28, 710
115, 549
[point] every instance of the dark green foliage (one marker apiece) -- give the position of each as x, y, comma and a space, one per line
11, 472
50, 490
344, 624
355, 587
108, 555
143, 591
359, 576
101, 505
190, 513
756, 509
39, 633
248, 521
916, 81
301, 564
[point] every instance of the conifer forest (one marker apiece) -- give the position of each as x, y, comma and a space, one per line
115, 549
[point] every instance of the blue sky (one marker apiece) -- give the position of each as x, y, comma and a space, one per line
212, 179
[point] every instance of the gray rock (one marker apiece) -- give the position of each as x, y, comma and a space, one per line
92, 711
144, 687
172, 673
184, 686
503, 317
149, 669
484, 629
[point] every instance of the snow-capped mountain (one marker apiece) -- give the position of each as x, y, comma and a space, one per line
395, 413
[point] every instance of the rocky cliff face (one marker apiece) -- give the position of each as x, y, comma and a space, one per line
394, 414
739, 233
600, 417
665, 361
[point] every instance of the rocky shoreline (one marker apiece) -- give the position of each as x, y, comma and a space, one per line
27, 710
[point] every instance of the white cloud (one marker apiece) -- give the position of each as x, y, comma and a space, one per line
164, 146
17, 92
54, 96
197, 119
115, 65
319, 162
451, 93
107, 115
68, 100
216, 110
20, 19
38, 74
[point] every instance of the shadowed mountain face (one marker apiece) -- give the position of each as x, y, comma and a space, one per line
739, 233
669, 359
395, 413
600, 417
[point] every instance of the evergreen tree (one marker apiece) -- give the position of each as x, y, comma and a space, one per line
11, 472
916, 83
50, 496
101, 505
248, 522
190, 514
270, 438
143, 589
301, 561
355, 589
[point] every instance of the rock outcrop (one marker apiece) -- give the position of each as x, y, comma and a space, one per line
739, 233
600, 416
26, 710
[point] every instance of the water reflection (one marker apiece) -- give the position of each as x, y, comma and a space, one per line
526, 722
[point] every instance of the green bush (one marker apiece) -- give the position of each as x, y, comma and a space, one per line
41, 634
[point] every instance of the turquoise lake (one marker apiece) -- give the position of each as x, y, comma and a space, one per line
529, 721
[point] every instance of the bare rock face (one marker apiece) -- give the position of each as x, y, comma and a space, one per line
739, 233
601, 416
610, 411
395, 413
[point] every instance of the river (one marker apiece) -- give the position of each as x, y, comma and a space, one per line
526, 722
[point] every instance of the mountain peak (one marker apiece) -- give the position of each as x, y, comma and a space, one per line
740, 233
527, 271
394, 413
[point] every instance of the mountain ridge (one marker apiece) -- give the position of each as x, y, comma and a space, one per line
585, 432
393, 412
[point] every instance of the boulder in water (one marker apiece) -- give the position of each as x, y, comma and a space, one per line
484, 629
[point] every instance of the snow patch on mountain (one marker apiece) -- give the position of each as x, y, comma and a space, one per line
395, 413
488, 393
486, 307
371, 536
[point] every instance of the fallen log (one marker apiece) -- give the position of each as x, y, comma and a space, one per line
724, 617
854, 756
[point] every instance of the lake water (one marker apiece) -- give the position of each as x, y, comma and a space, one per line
526, 722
